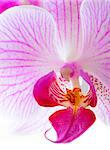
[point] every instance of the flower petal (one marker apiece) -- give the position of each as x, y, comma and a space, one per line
95, 19
66, 14
103, 104
27, 52
69, 126
34, 2
92, 91
5, 4
41, 90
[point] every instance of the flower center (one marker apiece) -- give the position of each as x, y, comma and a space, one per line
77, 99
66, 96
70, 72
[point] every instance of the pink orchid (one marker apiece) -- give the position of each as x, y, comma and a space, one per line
44, 51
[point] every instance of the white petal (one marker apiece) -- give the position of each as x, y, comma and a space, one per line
27, 52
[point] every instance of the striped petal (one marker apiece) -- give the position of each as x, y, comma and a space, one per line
5, 4
27, 52
95, 19
66, 14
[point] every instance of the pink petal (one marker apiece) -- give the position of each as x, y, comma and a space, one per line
69, 126
41, 90
34, 2
27, 52
95, 18
93, 96
5, 4
103, 104
66, 14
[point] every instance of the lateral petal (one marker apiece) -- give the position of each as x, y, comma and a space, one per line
95, 19
41, 90
27, 52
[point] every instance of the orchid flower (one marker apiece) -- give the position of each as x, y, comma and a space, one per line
45, 51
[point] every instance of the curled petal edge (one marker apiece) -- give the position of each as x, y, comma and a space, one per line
69, 126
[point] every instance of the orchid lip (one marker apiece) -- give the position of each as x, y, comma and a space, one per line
74, 97
65, 94
59, 91
71, 97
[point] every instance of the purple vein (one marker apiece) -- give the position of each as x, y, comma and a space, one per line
106, 33
16, 51
57, 16
22, 66
17, 75
20, 42
71, 20
64, 13
19, 83
10, 32
78, 25
17, 59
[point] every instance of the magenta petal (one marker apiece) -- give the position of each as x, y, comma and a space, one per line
5, 4
41, 90
69, 126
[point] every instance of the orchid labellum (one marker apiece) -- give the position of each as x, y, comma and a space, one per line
44, 51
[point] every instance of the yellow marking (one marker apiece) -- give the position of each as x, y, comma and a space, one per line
77, 99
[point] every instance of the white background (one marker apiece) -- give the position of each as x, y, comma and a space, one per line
97, 137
